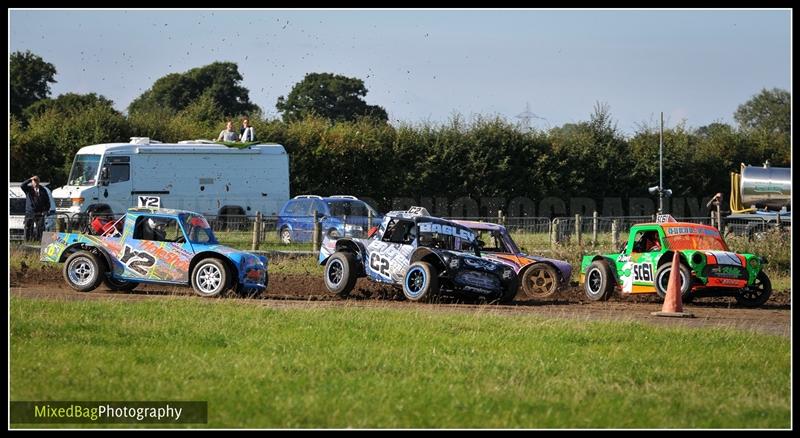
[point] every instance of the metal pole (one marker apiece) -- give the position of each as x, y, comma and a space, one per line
315, 238
661, 166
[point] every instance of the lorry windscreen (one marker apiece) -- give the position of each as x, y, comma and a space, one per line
198, 229
84, 170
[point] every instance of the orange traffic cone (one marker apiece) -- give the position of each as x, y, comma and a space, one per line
673, 304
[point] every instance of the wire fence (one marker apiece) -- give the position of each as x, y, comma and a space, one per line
305, 232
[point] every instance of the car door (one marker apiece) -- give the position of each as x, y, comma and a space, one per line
157, 252
388, 258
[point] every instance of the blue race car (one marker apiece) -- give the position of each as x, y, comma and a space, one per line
150, 245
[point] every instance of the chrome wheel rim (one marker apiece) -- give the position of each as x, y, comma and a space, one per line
335, 272
209, 277
81, 271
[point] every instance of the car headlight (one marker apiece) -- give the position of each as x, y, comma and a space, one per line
754, 263
698, 258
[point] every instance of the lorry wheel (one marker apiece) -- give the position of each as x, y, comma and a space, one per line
340, 273
82, 271
118, 284
209, 277
756, 294
421, 282
286, 236
540, 281
599, 281
662, 281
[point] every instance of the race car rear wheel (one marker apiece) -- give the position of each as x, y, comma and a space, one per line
540, 281
599, 282
340, 273
756, 294
662, 281
118, 284
421, 282
82, 271
209, 277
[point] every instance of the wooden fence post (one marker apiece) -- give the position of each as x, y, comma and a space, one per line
594, 228
315, 237
257, 231
614, 235
578, 228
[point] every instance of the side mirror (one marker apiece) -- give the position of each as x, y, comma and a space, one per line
104, 176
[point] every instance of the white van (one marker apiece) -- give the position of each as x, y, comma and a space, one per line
16, 211
199, 176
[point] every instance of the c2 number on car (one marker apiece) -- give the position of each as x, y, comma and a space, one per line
643, 272
379, 264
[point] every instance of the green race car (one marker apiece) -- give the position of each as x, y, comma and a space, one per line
707, 266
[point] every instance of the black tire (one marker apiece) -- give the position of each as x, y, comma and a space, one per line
286, 236
83, 272
421, 282
540, 281
510, 292
118, 284
662, 281
210, 277
340, 273
599, 281
757, 294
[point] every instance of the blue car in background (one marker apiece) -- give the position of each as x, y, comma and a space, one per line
339, 216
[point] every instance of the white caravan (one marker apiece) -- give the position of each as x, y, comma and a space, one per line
199, 176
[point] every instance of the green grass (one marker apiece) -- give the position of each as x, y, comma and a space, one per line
397, 368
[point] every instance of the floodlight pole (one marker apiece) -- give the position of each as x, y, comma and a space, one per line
661, 167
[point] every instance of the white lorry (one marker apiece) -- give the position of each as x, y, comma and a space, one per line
200, 176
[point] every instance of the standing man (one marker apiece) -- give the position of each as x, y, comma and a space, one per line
246, 133
37, 205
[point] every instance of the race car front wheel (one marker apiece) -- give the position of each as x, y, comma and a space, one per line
209, 277
340, 273
421, 282
540, 281
82, 271
756, 294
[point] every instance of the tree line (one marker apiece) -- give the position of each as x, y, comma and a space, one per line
345, 146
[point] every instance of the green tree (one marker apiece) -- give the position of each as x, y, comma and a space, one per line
176, 91
29, 76
68, 103
333, 97
769, 111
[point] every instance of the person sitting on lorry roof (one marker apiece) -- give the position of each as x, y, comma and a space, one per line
228, 133
247, 133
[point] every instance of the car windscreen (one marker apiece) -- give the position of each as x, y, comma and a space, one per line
84, 170
347, 208
444, 236
198, 229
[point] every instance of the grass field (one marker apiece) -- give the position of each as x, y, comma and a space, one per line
414, 367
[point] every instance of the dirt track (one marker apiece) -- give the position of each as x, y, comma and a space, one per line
304, 291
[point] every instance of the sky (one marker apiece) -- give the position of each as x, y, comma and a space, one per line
427, 65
